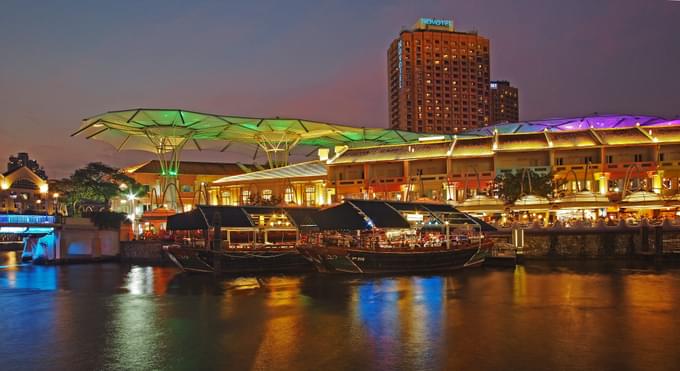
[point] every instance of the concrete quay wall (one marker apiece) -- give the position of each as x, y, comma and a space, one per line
598, 242
143, 252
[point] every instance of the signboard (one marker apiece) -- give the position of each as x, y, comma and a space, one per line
435, 23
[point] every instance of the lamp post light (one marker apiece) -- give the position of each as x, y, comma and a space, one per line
55, 196
133, 213
43, 189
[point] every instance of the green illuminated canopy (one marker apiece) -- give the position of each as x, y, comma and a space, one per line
148, 129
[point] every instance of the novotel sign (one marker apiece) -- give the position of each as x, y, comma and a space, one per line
436, 22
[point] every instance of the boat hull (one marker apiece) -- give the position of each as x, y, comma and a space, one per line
356, 261
238, 262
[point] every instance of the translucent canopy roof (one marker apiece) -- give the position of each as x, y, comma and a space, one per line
574, 123
531, 202
583, 200
482, 203
140, 129
642, 200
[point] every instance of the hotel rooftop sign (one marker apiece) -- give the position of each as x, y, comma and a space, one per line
434, 24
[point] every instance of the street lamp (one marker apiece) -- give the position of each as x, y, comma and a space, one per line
448, 241
132, 216
43, 188
55, 196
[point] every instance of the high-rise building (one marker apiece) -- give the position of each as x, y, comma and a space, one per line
438, 79
504, 102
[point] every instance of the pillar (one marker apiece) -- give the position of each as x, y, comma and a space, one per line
603, 179
407, 180
657, 179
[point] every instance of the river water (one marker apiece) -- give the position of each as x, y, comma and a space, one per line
601, 316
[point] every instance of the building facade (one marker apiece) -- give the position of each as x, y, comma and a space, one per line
504, 102
22, 190
301, 184
607, 163
438, 79
612, 156
193, 182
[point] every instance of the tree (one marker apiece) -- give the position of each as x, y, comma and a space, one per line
514, 185
95, 183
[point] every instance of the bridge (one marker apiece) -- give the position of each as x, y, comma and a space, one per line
49, 239
28, 225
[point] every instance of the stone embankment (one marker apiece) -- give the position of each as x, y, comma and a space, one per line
599, 241
148, 252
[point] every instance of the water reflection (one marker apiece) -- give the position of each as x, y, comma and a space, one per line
541, 316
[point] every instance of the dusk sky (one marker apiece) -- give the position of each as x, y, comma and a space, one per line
322, 60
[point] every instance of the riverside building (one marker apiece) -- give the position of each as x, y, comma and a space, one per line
438, 79
609, 164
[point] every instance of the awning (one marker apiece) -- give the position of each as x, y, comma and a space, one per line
380, 214
583, 200
238, 216
302, 217
364, 215
298, 216
203, 216
341, 217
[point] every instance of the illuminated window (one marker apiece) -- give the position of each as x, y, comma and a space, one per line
226, 198
310, 192
667, 183
267, 194
245, 197
289, 197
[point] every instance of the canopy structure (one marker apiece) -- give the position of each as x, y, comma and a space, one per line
369, 214
243, 217
166, 132
642, 200
531, 202
482, 203
596, 121
583, 200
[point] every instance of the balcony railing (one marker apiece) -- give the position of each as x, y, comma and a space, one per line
578, 167
647, 165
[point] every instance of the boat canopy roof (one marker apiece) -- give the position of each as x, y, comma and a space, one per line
368, 214
203, 216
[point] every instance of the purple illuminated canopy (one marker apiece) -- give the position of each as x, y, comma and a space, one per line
574, 123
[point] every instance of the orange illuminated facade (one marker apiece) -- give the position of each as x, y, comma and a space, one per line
438, 79
613, 156
193, 180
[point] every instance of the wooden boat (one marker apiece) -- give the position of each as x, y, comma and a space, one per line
376, 237
239, 239
234, 261
341, 260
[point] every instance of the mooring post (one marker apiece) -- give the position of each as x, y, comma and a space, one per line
217, 241
658, 240
217, 231
644, 235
